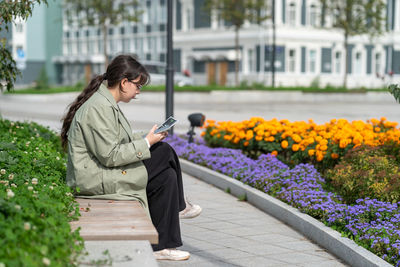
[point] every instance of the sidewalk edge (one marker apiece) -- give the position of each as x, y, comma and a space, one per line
342, 247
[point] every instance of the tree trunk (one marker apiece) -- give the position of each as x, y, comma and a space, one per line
105, 38
346, 36
237, 56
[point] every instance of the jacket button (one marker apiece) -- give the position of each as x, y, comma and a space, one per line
123, 172
139, 154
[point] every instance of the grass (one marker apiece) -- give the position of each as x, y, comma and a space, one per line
206, 88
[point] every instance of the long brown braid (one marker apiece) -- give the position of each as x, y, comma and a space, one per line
121, 67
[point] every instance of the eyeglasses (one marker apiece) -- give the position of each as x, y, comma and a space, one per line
139, 86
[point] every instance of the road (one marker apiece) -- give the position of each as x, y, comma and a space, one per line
149, 109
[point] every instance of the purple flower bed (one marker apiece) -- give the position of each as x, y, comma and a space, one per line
372, 224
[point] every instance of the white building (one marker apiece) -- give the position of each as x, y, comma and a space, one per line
306, 52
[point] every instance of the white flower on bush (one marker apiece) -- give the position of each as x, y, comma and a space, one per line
11, 176
51, 187
3, 171
34, 181
46, 261
27, 143
2, 264
37, 135
17, 207
14, 185
27, 226
57, 158
30, 188
37, 148
68, 194
10, 193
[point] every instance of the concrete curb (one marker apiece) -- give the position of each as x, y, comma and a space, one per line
342, 247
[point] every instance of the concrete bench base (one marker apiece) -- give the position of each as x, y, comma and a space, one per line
118, 254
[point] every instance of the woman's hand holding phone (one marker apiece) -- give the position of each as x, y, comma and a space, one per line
155, 137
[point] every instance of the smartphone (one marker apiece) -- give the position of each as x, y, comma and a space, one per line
167, 124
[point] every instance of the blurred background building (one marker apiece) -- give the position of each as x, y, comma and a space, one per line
308, 51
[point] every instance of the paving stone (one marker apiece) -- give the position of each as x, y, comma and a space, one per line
265, 249
297, 258
256, 261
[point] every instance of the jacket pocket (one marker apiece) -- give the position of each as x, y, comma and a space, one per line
89, 178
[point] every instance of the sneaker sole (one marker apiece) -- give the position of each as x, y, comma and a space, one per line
166, 258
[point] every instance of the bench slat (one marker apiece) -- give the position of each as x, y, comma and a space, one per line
114, 220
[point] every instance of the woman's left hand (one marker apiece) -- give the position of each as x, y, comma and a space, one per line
155, 137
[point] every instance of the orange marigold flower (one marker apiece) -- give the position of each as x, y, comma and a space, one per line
246, 143
203, 133
334, 155
274, 153
324, 148
259, 138
311, 152
295, 147
284, 144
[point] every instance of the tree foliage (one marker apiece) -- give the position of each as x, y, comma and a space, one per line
356, 17
394, 89
102, 13
236, 13
9, 11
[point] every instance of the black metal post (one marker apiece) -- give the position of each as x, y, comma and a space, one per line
273, 44
169, 86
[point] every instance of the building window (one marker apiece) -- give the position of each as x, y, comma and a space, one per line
292, 14
357, 63
77, 34
312, 61
148, 28
292, 60
338, 62
135, 29
122, 30
19, 27
110, 31
67, 35
378, 63
87, 33
250, 59
313, 15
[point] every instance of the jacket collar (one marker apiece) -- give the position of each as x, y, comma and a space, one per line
106, 93
122, 119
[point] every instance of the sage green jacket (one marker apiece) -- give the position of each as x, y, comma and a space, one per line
104, 156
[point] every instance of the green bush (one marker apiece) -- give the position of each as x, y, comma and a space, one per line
366, 172
35, 203
42, 82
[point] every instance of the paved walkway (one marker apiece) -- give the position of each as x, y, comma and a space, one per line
230, 232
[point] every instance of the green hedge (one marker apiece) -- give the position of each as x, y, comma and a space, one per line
35, 203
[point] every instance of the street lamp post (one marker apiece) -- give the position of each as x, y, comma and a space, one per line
169, 94
273, 44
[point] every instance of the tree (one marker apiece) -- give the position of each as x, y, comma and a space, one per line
355, 17
102, 13
236, 12
9, 11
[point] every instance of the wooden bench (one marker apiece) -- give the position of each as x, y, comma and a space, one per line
114, 220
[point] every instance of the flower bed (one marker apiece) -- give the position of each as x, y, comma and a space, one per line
300, 142
372, 224
35, 203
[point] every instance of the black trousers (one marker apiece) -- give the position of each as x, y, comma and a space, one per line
165, 194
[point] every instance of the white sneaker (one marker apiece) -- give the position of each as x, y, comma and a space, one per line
191, 211
171, 254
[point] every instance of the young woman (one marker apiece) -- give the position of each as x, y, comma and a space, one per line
106, 160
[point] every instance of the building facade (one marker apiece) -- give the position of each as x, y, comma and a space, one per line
306, 52
35, 42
